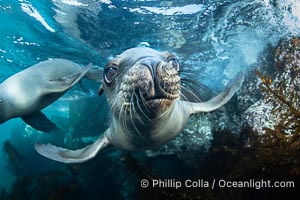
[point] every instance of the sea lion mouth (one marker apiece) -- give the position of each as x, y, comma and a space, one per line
158, 101
158, 104
150, 105
167, 97
151, 100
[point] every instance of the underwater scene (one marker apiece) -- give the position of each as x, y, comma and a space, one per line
149, 99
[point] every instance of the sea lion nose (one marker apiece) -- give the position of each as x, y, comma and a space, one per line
152, 66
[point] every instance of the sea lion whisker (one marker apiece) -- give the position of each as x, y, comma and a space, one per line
188, 72
142, 111
125, 121
131, 117
120, 114
114, 104
144, 101
189, 91
149, 109
193, 82
134, 109
140, 108
122, 118
182, 96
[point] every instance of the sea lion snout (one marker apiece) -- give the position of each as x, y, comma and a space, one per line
151, 80
167, 81
164, 80
137, 82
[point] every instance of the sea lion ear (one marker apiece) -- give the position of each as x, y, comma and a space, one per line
100, 90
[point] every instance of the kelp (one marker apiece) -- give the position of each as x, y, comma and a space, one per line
14, 159
286, 106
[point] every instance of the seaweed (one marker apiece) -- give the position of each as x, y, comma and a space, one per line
283, 140
14, 159
284, 100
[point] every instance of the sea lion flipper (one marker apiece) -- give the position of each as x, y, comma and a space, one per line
219, 100
94, 74
39, 121
64, 83
72, 156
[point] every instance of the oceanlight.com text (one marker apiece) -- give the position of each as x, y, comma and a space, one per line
221, 183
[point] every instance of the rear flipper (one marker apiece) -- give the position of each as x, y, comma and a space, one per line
72, 156
39, 121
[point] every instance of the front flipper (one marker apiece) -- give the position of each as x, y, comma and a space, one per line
65, 83
39, 121
219, 100
72, 156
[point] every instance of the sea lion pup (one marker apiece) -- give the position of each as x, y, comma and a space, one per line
27, 92
143, 91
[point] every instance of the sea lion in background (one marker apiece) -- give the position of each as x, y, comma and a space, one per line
145, 96
27, 92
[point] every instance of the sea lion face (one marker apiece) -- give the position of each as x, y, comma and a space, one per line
143, 81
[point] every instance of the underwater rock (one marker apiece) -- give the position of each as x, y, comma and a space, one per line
280, 90
259, 115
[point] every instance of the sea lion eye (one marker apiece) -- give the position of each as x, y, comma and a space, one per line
109, 74
174, 63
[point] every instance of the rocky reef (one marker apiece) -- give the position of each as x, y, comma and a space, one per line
279, 106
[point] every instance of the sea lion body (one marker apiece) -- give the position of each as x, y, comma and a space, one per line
151, 134
27, 92
145, 96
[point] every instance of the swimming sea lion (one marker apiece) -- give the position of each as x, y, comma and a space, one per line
144, 93
27, 92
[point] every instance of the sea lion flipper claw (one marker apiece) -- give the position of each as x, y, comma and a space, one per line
39, 121
72, 156
219, 100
